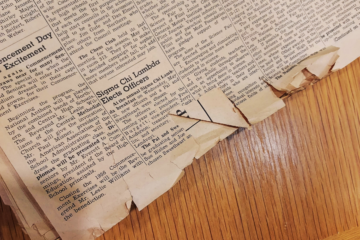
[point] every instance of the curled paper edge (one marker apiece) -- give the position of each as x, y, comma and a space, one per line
319, 65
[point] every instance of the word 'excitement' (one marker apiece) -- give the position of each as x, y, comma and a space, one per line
26, 47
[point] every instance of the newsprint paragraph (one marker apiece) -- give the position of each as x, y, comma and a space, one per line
105, 102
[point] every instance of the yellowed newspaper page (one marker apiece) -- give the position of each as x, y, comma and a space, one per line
87, 88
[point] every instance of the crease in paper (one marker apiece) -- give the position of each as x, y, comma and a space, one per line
210, 119
212, 107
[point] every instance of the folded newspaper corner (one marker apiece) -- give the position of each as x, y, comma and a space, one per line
105, 103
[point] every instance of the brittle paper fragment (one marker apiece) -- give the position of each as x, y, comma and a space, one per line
209, 119
319, 65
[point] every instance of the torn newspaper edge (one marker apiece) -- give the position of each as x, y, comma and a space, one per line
92, 223
213, 117
210, 119
303, 74
207, 128
207, 121
218, 119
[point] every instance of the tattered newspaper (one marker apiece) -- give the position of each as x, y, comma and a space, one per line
104, 103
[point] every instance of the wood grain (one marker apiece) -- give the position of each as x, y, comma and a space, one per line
294, 176
353, 234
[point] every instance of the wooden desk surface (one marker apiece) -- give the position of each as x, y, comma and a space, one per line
294, 176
